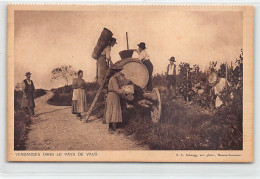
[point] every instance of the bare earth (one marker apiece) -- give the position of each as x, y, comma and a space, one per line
56, 128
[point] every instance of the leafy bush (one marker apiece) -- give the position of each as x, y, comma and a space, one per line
60, 99
17, 100
39, 92
21, 123
63, 95
184, 126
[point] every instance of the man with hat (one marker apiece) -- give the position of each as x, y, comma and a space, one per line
145, 59
171, 79
28, 95
104, 61
113, 113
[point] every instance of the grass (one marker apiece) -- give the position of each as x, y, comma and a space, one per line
21, 122
184, 128
63, 95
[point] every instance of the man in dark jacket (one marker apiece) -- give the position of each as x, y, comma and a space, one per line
28, 95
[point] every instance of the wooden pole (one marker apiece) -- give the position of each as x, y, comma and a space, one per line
96, 70
226, 70
127, 45
87, 114
226, 73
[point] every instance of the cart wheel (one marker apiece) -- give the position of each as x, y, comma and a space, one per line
156, 108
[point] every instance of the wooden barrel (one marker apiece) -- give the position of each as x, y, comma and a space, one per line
135, 71
105, 36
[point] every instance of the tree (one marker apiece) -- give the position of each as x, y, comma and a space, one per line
63, 72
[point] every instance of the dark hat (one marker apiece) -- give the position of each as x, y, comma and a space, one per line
172, 59
27, 73
142, 45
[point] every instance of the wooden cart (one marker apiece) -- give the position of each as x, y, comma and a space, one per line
137, 73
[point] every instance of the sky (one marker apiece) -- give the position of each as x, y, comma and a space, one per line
48, 39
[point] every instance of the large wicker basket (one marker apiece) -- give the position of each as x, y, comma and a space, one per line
105, 36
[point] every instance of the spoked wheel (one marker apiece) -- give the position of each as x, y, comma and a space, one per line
157, 107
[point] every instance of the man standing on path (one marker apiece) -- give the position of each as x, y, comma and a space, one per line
104, 61
28, 95
171, 79
145, 59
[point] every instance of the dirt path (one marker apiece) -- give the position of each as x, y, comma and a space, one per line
56, 128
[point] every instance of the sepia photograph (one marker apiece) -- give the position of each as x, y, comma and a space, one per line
140, 81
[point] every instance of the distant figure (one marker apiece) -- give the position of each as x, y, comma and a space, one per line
104, 61
79, 103
145, 59
171, 79
113, 113
201, 86
219, 86
28, 95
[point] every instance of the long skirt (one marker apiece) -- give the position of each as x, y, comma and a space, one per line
102, 68
80, 105
113, 111
74, 107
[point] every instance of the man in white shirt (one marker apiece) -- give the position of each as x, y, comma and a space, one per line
145, 59
104, 61
171, 79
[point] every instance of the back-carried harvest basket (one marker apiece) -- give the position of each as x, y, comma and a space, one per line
105, 36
